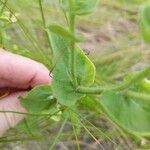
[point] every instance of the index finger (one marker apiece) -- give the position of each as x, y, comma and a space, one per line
21, 72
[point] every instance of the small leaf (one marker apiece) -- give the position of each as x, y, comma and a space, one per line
84, 7
5, 19
63, 32
128, 113
62, 81
144, 86
145, 22
81, 7
38, 99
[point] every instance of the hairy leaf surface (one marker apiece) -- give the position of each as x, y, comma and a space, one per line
129, 113
62, 81
90, 103
38, 99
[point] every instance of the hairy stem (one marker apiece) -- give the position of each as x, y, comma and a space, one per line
137, 95
89, 90
72, 55
98, 90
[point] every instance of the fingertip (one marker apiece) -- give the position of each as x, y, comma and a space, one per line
41, 77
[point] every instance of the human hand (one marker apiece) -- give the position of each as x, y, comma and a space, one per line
19, 73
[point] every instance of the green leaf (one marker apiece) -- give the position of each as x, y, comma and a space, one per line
90, 103
144, 86
145, 22
62, 81
84, 7
129, 113
5, 19
31, 125
38, 99
81, 7
63, 32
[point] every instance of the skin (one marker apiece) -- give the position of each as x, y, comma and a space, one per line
19, 73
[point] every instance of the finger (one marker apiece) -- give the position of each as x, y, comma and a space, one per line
20, 72
10, 103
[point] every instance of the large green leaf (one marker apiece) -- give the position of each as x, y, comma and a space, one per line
62, 80
81, 7
145, 22
129, 113
37, 100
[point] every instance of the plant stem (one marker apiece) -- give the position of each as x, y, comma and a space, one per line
3, 7
64, 12
42, 14
73, 63
94, 138
44, 22
89, 90
137, 95
75, 132
1, 39
99, 89
59, 133
72, 55
23, 113
140, 75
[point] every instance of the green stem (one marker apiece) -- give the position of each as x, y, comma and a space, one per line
29, 114
99, 89
3, 7
89, 90
75, 132
72, 55
1, 39
137, 95
22, 113
59, 133
64, 12
140, 75
44, 22
72, 23
42, 13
